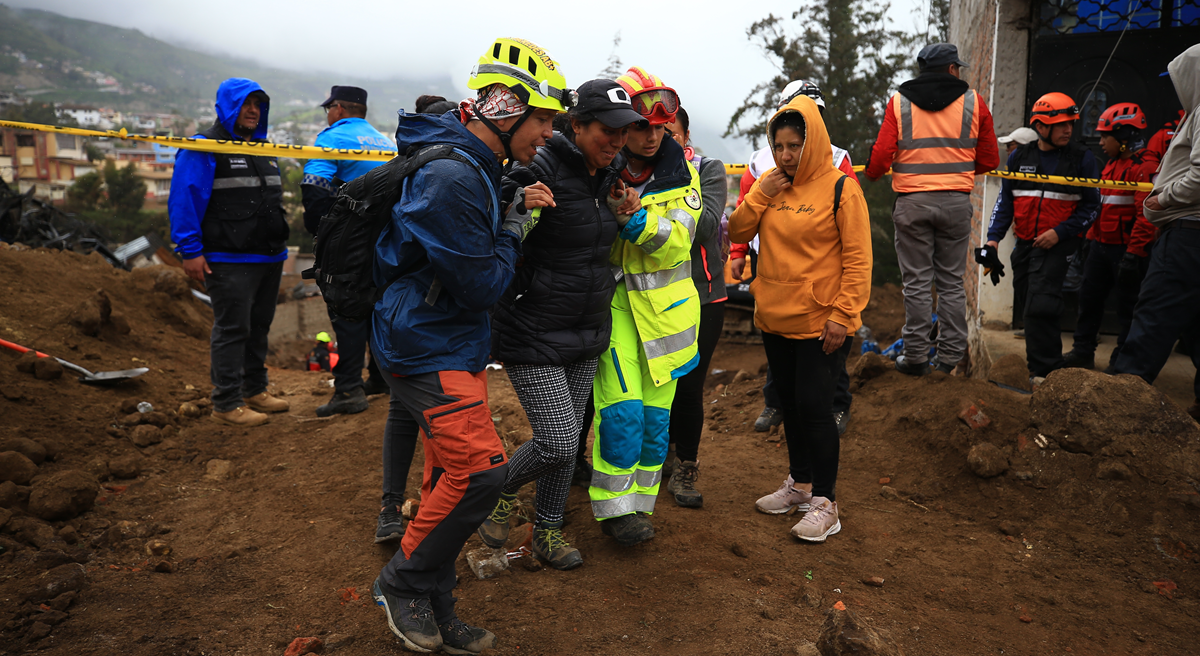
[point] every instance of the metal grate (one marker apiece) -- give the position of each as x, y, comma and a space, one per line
1057, 17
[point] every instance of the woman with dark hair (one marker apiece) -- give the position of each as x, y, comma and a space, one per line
553, 322
422, 106
813, 282
708, 274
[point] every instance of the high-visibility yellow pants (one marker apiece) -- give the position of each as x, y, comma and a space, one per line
632, 421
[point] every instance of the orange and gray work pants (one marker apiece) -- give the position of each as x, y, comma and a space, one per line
633, 418
465, 468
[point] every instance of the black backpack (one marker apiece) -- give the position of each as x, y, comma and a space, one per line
346, 236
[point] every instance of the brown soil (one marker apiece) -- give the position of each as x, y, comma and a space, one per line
277, 544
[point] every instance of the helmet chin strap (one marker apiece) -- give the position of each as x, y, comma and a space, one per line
505, 136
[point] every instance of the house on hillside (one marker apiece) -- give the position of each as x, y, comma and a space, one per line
48, 163
1099, 52
85, 116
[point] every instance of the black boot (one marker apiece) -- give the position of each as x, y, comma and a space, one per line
628, 530
1079, 360
347, 403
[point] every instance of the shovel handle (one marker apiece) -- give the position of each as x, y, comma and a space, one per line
23, 349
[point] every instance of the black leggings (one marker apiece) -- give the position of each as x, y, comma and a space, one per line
687, 410
806, 378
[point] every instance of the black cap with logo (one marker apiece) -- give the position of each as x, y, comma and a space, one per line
346, 94
937, 55
608, 102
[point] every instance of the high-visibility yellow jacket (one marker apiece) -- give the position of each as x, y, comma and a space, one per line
654, 255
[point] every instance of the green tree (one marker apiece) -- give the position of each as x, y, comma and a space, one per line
614, 68
848, 49
33, 112
938, 28
86, 192
126, 192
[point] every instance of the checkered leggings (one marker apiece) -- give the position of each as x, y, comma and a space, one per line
554, 399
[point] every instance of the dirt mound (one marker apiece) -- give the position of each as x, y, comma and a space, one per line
884, 313
1011, 370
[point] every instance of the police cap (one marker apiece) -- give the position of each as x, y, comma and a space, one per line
346, 94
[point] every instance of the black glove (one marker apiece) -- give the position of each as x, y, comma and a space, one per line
520, 220
1130, 264
1129, 273
991, 263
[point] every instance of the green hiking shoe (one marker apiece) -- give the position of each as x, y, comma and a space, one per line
494, 530
550, 546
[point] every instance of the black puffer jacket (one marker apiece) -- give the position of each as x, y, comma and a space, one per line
557, 309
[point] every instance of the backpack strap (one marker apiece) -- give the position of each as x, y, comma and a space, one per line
837, 199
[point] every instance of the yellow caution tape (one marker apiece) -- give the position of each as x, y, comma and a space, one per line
314, 152
1120, 185
219, 146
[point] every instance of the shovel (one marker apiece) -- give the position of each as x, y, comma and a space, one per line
99, 378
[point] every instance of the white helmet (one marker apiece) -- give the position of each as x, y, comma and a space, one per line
797, 87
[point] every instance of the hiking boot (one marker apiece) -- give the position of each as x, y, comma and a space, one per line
1076, 360
242, 416
628, 530
784, 499
410, 619
373, 387
769, 417
820, 522
550, 546
390, 525
344, 403
264, 402
583, 473
494, 530
458, 638
842, 419
906, 366
683, 484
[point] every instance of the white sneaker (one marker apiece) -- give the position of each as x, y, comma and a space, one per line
784, 499
820, 522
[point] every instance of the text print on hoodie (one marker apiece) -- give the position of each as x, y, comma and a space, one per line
1178, 184
811, 269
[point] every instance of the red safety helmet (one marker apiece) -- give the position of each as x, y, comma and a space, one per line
1122, 118
651, 98
1052, 108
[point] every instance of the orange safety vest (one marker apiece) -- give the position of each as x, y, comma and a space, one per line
936, 150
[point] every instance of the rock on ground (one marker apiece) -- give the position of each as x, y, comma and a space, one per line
63, 495
144, 436
844, 633
47, 369
126, 466
8, 494
64, 578
16, 467
218, 470
1085, 411
90, 315
26, 447
870, 365
987, 460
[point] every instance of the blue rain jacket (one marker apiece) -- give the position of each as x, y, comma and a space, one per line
191, 183
446, 226
349, 134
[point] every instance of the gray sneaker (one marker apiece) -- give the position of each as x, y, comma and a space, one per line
550, 546
784, 499
769, 417
458, 638
494, 530
683, 484
820, 522
410, 619
390, 525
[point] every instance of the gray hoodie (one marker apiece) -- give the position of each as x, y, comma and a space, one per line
1178, 183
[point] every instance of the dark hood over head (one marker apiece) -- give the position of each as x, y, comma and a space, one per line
933, 92
416, 131
231, 95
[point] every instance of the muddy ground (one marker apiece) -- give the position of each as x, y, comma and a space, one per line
216, 540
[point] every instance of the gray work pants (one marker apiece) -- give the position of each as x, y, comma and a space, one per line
932, 233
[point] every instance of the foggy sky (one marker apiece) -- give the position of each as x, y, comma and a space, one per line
699, 48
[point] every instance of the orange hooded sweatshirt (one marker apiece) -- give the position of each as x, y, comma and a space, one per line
811, 269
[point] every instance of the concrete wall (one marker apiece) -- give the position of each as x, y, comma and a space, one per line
993, 39
301, 319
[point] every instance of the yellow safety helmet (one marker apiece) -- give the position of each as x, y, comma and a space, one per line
324, 337
527, 70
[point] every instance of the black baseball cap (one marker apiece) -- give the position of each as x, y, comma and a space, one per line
937, 55
346, 94
608, 102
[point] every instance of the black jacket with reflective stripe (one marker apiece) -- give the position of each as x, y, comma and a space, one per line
245, 212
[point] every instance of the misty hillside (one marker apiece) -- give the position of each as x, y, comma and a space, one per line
153, 75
